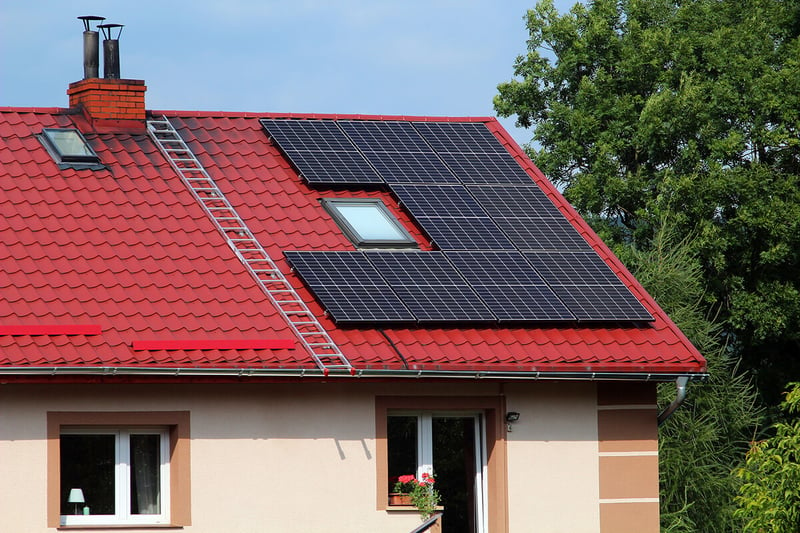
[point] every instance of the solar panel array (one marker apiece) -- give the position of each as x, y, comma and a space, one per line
509, 254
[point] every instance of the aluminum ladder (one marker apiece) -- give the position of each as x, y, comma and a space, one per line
312, 335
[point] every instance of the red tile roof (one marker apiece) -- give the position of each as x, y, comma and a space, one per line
94, 263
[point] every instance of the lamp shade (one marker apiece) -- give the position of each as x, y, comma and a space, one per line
76, 496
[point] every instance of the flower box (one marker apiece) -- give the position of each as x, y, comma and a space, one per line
399, 498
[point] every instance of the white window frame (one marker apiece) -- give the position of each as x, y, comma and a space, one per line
122, 477
425, 459
87, 155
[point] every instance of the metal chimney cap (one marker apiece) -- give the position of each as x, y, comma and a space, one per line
88, 19
107, 29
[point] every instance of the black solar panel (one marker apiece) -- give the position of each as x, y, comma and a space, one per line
348, 287
514, 200
430, 286
410, 167
384, 136
460, 137
602, 303
586, 284
320, 151
541, 233
485, 168
465, 233
509, 286
438, 200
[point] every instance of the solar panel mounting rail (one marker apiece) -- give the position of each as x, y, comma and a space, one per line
325, 353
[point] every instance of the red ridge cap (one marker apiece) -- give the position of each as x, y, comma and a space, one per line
244, 344
52, 329
311, 116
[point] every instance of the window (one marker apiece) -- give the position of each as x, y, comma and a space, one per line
69, 146
460, 440
118, 468
369, 223
112, 475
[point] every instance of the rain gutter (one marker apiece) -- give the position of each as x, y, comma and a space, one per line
108, 371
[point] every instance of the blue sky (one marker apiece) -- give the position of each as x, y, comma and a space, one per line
412, 57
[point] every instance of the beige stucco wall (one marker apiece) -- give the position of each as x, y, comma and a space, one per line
552, 458
299, 458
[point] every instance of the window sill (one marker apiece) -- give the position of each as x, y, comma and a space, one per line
409, 508
74, 527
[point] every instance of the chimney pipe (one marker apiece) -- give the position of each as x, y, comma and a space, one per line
110, 51
91, 48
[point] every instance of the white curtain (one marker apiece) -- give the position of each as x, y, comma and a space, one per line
145, 474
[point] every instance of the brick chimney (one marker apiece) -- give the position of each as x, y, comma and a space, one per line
109, 103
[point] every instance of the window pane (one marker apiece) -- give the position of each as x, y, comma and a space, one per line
401, 447
370, 222
87, 463
69, 143
145, 474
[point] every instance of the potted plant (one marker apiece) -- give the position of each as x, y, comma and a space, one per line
417, 492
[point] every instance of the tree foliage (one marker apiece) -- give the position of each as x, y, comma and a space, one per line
709, 434
769, 499
686, 109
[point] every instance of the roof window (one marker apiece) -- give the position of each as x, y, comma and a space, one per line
69, 147
369, 223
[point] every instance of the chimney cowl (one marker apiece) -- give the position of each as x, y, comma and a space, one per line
91, 47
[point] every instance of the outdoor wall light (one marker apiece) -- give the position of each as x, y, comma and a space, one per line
511, 417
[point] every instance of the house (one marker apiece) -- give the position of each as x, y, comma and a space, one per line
253, 322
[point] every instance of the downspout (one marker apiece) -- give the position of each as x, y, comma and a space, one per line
680, 395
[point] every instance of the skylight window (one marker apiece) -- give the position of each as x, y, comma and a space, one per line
369, 223
69, 146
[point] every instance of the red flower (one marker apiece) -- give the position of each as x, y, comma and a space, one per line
405, 479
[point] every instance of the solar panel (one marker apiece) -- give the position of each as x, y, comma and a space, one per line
513, 200
509, 286
588, 286
430, 286
465, 233
541, 233
602, 303
320, 151
438, 200
451, 217
410, 167
384, 136
348, 287
485, 168
460, 137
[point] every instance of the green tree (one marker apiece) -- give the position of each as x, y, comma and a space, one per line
769, 499
686, 109
709, 435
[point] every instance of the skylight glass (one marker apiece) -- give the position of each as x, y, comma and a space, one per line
70, 146
368, 223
